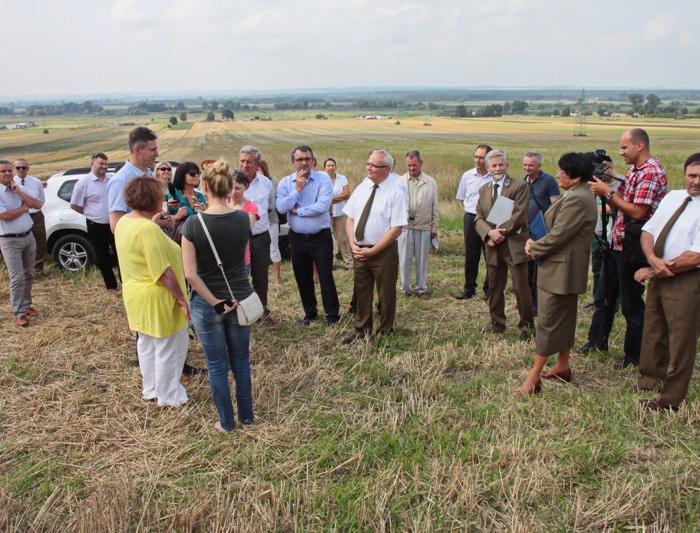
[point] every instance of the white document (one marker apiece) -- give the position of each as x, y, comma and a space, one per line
501, 211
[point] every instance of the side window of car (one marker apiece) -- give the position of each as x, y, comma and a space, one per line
66, 190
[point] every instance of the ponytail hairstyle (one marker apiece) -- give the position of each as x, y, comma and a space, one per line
218, 178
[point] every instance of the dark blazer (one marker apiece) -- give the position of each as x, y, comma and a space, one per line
565, 250
518, 191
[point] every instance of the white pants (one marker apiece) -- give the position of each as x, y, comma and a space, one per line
161, 362
414, 243
275, 255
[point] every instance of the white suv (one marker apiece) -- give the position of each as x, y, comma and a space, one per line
66, 230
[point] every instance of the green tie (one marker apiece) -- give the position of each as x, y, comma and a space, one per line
494, 193
360, 229
661, 239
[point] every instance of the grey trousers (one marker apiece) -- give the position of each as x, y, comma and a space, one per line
414, 243
19, 254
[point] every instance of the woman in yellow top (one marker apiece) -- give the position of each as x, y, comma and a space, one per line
153, 288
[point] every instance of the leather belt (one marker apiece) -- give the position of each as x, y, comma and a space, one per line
17, 234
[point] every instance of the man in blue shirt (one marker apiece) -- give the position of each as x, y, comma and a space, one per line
305, 196
17, 243
544, 190
143, 151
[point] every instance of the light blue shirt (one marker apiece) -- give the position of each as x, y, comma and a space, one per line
313, 203
115, 187
8, 201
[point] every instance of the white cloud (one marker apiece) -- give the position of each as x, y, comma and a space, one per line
662, 25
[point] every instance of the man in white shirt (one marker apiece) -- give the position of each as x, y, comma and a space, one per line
468, 195
671, 243
34, 187
376, 214
89, 198
261, 193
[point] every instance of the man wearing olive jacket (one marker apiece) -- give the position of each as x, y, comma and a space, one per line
505, 245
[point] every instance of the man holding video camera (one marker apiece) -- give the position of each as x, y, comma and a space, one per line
636, 200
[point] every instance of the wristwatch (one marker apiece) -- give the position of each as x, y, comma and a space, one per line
609, 196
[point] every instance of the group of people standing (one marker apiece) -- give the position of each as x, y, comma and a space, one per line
645, 244
167, 232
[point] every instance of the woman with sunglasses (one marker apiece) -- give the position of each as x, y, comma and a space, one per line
186, 181
183, 194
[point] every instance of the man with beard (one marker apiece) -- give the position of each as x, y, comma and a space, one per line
505, 243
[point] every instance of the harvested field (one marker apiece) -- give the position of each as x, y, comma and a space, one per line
415, 432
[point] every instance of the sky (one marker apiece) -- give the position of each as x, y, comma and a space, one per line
124, 46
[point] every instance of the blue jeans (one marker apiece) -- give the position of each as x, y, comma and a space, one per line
225, 345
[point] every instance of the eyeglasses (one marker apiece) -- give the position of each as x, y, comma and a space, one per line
303, 159
165, 169
192, 173
21, 168
372, 165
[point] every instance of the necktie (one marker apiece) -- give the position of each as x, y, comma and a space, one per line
494, 193
22, 182
360, 229
661, 239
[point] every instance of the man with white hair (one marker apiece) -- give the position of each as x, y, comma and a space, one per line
376, 214
505, 244
261, 193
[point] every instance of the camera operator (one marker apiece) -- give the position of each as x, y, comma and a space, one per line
605, 285
635, 200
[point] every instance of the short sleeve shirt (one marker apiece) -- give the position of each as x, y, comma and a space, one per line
644, 185
145, 253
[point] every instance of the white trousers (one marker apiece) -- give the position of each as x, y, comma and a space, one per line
275, 255
161, 362
414, 243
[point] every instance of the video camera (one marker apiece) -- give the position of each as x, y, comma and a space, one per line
601, 162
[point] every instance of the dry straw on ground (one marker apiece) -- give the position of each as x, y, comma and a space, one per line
416, 431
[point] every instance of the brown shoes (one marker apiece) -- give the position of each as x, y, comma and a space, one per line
31, 312
21, 321
564, 375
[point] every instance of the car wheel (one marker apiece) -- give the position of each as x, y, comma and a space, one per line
73, 252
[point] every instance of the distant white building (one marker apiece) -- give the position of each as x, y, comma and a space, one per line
20, 126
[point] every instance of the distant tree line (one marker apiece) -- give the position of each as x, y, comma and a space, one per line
86, 108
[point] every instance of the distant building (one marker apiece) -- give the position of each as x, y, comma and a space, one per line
19, 126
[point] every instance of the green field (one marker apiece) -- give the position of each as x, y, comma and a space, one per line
415, 432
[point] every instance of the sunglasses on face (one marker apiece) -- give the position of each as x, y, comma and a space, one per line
165, 169
192, 173
21, 168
